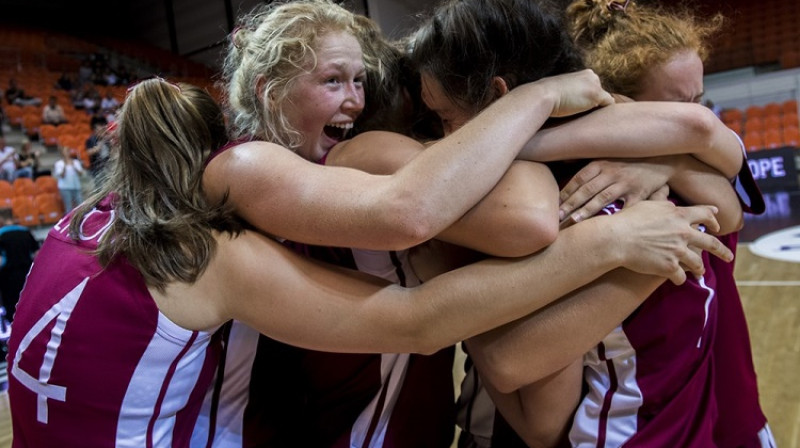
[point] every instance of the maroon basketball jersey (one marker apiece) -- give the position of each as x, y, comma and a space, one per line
92, 361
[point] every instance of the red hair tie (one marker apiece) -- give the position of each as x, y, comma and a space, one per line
618, 6
233, 37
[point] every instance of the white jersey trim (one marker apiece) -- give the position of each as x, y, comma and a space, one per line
154, 377
611, 377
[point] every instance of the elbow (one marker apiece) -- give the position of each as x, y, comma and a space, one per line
542, 231
411, 223
504, 382
408, 232
499, 369
715, 138
702, 123
730, 224
503, 377
532, 232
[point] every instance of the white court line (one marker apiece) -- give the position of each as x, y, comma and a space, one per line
768, 283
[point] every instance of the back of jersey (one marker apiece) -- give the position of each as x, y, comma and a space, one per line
92, 361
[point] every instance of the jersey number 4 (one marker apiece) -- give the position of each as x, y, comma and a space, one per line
60, 312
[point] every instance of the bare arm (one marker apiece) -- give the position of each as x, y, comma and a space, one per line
305, 303
698, 183
286, 196
529, 349
541, 413
604, 181
641, 129
518, 217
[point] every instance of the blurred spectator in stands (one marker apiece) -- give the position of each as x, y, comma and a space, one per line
85, 72
91, 102
17, 249
109, 105
109, 77
27, 161
97, 147
81, 92
65, 82
7, 161
98, 63
87, 98
124, 77
68, 171
53, 113
16, 95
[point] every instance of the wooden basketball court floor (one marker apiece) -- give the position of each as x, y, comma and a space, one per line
770, 291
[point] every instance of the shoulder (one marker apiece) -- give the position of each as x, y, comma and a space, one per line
380, 137
243, 164
245, 153
377, 152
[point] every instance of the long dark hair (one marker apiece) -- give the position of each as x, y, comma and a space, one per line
465, 43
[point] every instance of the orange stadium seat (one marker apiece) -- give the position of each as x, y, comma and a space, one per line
70, 141
791, 136
753, 141
31, 124
773, 138
735, 126
49, 207
6, 193
15, 114
772, 109
69, 129
24, 186
754, 111
24, 210
789, 120
48, 134
753, 124
732, 115
772, 122
789, 107
46, 184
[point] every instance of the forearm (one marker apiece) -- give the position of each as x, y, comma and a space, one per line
346, 311
697, 183
499, 304
541, 412
524, 351
642, 129
452, 175
518, 217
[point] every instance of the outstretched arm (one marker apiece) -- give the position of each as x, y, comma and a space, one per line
305, 303
284, 195
641, 129
518, 217
529, 349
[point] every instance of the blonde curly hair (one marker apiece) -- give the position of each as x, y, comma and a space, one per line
273, 45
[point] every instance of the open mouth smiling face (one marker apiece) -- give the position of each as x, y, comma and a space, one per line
326, 100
